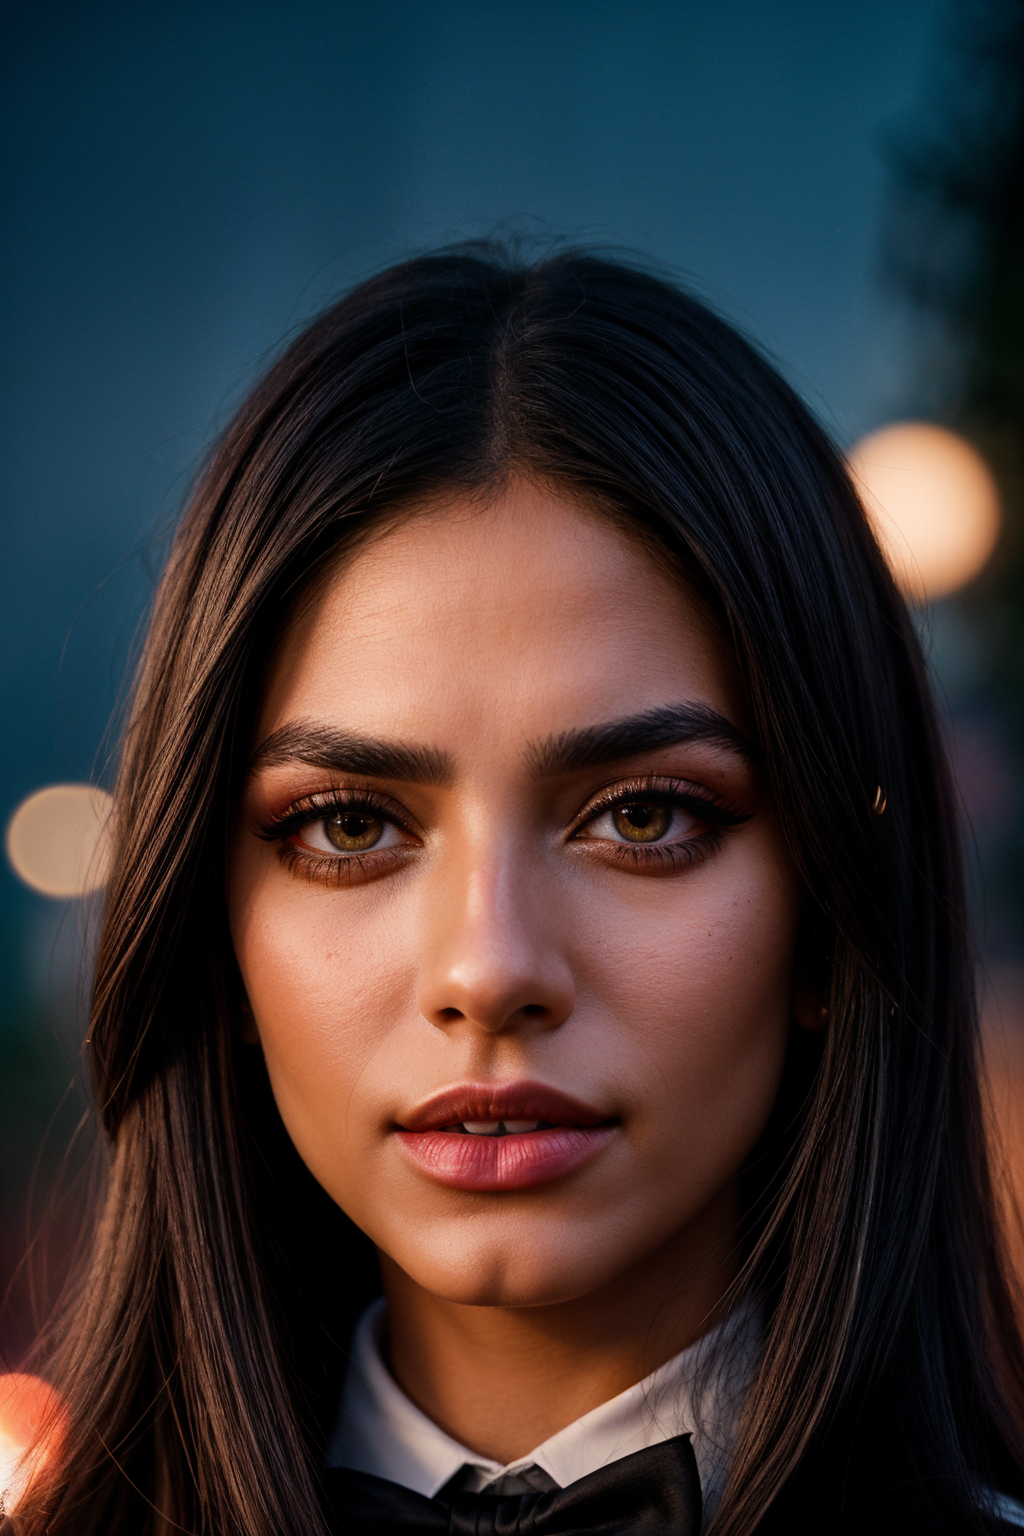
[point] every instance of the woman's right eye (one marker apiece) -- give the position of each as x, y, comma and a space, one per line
351, 830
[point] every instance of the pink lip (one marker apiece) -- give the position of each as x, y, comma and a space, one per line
517, 1161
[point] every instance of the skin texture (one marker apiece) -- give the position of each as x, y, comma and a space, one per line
497, 937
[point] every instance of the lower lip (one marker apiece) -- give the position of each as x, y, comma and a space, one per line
464, 1161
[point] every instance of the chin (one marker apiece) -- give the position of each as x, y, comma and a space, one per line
508, 1270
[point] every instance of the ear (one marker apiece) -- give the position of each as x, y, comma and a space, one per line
809, 1009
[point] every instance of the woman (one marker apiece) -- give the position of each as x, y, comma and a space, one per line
536, 893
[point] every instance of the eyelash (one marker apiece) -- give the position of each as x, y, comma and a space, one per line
349, 869
664, 858
346, 869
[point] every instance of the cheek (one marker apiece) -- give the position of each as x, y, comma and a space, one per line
326, 984
701, 988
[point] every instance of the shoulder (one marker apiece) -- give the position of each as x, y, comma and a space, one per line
907, 1508
1007, 1512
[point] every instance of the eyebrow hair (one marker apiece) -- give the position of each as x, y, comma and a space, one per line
324, 746
668, 726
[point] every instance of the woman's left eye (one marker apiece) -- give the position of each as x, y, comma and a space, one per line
355, 829
639, 821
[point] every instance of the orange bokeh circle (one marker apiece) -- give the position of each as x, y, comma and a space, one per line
33, 1426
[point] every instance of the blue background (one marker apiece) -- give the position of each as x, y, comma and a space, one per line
186, 184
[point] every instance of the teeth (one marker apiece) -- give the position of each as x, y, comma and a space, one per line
497, 1127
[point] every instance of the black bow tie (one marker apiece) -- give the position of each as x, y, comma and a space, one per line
655, 1492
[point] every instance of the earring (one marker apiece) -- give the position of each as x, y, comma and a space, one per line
880, 801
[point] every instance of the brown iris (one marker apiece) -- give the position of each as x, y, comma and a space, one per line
353, 831
642, 822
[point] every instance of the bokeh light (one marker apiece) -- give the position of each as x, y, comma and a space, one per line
932, 503
33, 1423
56, 839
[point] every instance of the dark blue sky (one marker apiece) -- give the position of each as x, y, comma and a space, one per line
186, 183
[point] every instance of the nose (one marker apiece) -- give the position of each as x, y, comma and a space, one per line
492, 956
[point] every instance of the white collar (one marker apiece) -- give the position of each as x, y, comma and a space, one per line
382, 1432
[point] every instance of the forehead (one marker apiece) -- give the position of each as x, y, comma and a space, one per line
531, 613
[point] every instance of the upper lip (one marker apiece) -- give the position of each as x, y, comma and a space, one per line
501, 1101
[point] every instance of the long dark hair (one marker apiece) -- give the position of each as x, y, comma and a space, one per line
201, 1351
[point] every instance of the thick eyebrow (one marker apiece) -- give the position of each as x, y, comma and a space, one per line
669, 726
324, 746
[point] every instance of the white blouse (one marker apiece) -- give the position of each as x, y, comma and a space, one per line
701, 1390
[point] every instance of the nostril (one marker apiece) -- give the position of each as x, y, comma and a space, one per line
534, 1010
449, 1015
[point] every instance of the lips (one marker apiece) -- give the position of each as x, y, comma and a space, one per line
485, 1102
486, 1136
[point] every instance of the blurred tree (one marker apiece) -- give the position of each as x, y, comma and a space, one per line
953, 252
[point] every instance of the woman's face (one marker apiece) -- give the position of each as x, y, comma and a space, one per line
513, 914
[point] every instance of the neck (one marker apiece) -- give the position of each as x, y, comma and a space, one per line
501, 1380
